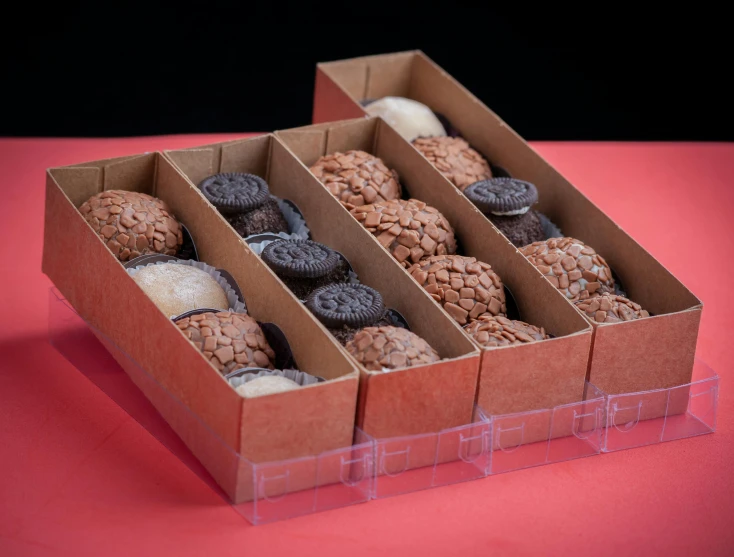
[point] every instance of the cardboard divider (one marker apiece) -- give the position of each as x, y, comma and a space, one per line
308, 421
514, 378
411, 401
653, 353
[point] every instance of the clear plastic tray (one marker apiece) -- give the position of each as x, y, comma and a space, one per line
377, 468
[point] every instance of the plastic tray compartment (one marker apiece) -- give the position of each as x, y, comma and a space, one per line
377, 468
648, 417
270, 491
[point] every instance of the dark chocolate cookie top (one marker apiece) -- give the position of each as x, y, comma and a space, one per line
235, 192
502, 195
300, 258
354, 305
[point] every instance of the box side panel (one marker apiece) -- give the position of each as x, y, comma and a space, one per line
102, 292
535, 376
324, 421
332, 102
646, 354
418, 400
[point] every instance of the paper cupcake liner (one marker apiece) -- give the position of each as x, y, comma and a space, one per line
234, 296
296, 224
549, 229
245, 375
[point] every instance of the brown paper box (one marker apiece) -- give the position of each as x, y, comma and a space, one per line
514, 378
654, 353
411, 401
213, 420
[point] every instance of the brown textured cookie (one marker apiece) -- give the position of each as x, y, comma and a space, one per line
455, 159
356, 178
410, 230
132, 223
465, 288
380, 348
571, 266
228, 340
610, 308
491, 331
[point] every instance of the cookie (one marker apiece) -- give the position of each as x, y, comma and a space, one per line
521, 230
353, 305
356, 178
300, 258
390, 348
235, 192
502, 196
410, 230
455, 159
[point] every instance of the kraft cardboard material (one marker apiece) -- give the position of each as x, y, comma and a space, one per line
626, 357
318, 418
514, 378
411, 401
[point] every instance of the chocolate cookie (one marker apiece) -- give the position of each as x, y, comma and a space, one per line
245, 201
502, 196
304, 265
235, 192
354, 305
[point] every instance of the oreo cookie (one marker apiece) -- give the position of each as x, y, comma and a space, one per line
300, 258
304, 265
502, 196
346, 305
235, 192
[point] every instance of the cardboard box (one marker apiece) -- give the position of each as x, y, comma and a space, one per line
514, 378
307, 421
653, 353
416, 400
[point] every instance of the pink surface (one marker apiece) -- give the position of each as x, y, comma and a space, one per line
79, 477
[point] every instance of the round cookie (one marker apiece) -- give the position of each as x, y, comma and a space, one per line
235, 192
610, 308
176, 289
409, 118
502, 196
351, 305
571, 266
132, 223
245, 201
455, 159
465, 288
492, 331
304, 265
300, 258
506, 202
267, 385
410, 230
228, 340
356, 178
390, 348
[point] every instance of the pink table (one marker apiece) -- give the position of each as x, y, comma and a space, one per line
79, 477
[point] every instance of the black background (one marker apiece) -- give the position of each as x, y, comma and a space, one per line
550, 73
